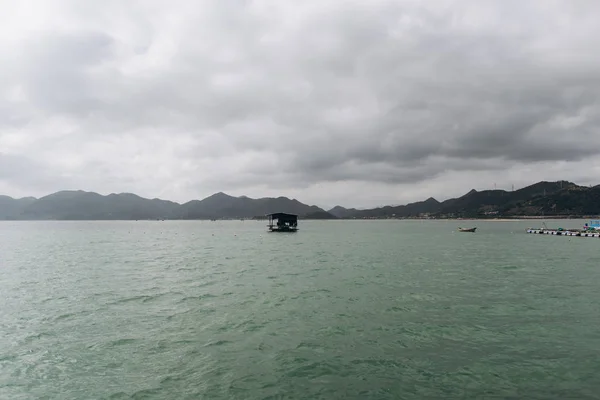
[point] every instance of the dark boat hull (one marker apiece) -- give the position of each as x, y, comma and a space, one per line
284, 230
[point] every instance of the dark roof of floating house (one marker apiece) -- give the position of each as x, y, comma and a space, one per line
282, 215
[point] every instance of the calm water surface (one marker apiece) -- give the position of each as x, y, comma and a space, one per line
339, 310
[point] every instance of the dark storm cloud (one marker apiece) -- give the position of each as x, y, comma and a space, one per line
187, 97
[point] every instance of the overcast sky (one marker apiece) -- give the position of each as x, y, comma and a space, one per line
359, 103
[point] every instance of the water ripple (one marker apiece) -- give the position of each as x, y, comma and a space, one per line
380, 309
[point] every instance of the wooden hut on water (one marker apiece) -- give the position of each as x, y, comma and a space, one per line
283, 222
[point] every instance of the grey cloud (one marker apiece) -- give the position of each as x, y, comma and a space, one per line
58, 72
267, 92
26, 173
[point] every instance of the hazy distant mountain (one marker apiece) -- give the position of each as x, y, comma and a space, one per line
320, 215
572, 200
80, 205
221, 205
428, 206
542, 198
342, 212
475, 203
11, 208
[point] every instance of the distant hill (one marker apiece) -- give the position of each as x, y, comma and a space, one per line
428, 206
570, 201
543, 198
81, 205
320, 215
341, 212
560, 198
11, 208
476, 203
221, 205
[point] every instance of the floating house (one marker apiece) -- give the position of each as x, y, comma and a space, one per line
282, 222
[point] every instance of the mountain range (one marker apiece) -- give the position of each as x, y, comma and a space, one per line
80, 205
560, 198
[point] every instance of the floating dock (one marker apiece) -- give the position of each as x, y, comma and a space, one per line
589, 230
564, 232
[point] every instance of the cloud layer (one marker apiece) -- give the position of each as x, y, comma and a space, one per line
359, 103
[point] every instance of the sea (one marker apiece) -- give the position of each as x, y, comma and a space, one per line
383, 309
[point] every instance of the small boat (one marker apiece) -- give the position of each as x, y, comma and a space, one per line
467, 229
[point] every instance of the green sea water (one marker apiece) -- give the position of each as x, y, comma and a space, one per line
338, 310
